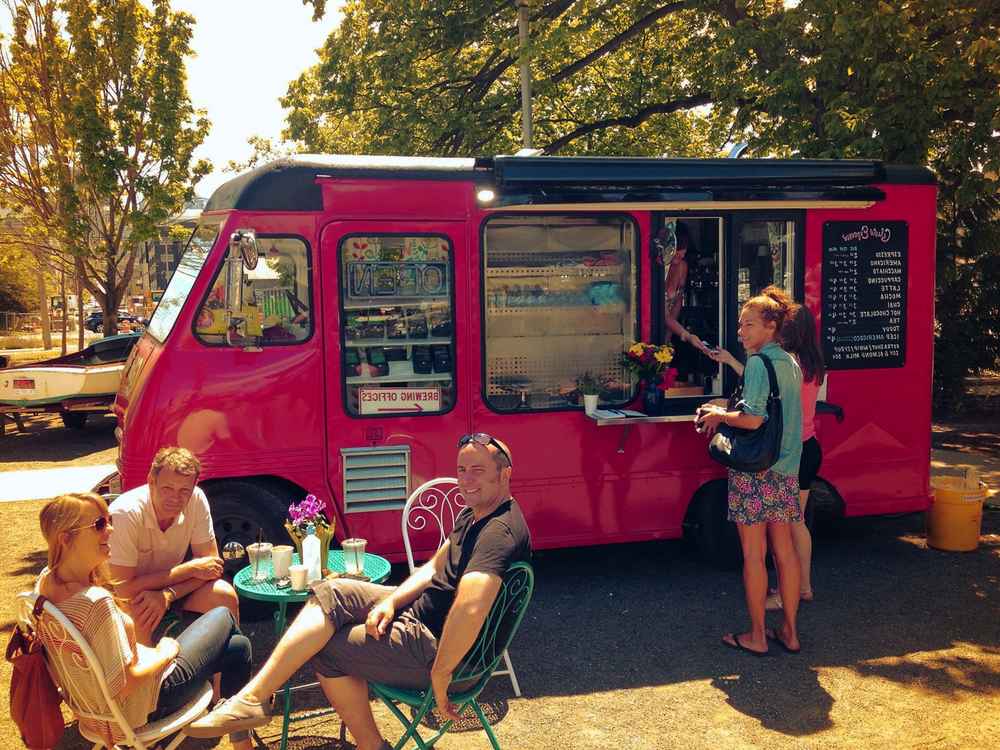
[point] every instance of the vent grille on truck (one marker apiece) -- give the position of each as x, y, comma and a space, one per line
375, 478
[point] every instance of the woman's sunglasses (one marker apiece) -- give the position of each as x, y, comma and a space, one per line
102, 523
483, 438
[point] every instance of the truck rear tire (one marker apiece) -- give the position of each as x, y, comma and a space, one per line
74, 420
714, 537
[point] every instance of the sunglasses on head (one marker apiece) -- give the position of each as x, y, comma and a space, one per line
102, 523
483, 438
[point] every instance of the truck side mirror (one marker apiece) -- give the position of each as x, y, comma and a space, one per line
244, 241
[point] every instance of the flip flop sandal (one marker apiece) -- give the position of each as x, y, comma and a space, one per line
773, 635
737, 645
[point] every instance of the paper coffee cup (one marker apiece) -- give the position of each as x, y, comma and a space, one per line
281, 557
299, 574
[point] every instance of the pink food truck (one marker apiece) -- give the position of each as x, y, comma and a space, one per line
336, 323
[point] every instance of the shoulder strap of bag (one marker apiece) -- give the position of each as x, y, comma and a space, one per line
24, 642
771, 377
36, 611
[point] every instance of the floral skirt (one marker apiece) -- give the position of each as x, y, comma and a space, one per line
764, 496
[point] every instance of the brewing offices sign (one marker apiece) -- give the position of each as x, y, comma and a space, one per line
864, 294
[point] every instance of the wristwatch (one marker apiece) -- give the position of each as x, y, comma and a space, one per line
170, 594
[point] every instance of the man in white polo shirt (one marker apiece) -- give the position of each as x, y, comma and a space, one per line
153, 527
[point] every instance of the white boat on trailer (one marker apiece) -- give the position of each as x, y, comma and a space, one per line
73, 386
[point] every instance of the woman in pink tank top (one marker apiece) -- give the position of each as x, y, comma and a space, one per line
798, 336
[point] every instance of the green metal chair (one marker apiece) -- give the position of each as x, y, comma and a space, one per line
476, 668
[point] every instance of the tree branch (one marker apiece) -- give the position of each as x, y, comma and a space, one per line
615, 42
629, 121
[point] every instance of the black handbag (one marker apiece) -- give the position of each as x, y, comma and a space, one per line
752, 450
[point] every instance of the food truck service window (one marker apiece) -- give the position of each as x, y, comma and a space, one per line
766, 255
687, 251
398, 331
269, 305
560, 296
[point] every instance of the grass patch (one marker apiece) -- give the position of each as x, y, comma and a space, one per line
20, 342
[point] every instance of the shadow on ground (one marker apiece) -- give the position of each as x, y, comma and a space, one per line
631, 616
645, 615
46, 442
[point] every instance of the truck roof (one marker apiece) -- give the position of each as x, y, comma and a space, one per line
289, 183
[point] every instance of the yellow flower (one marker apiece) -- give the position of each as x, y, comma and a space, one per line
636, 349
664, 356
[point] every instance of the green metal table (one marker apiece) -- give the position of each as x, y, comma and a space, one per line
376, 568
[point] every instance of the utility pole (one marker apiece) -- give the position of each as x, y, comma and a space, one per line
523, 39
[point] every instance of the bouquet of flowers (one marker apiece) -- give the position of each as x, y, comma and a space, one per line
650, 363
310, 511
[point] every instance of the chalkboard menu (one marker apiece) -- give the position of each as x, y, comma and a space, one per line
864, 294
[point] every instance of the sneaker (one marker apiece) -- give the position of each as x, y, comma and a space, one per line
230, 716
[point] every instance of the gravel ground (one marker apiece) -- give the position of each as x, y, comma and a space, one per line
901, 648
620, 647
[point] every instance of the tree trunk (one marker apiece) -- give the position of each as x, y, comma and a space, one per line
79, 308
110, 296
43, 302
62, 304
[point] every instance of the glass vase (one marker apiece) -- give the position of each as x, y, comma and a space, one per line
652, 399
325, 536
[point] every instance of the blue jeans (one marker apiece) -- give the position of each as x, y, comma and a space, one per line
212, 643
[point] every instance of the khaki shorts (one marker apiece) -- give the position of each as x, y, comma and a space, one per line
402, 657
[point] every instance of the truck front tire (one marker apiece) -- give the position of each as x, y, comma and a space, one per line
240, 510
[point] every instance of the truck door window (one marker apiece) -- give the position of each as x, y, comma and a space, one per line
687, 252
397, 325
766, 255
269, 305
560, 296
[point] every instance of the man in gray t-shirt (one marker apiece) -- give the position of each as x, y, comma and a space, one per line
409, 636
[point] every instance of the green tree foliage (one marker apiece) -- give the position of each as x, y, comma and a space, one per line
418, 77
17, 282
913, 82
97, 131
910, 81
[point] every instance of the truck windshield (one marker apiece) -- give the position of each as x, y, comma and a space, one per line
191, 262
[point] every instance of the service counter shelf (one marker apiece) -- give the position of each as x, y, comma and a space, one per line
627, 422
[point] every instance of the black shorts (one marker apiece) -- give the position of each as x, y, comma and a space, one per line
812, 459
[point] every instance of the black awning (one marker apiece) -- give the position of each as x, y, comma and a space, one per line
518, 173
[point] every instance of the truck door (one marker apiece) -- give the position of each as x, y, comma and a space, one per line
397, 396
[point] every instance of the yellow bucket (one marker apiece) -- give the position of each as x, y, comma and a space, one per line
955, 518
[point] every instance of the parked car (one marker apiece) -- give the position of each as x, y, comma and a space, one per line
126, 320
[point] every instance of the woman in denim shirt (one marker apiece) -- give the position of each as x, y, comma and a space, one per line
764, 504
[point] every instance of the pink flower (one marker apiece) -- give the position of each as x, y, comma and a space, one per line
310, 510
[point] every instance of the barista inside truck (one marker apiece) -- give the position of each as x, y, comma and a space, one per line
675, 277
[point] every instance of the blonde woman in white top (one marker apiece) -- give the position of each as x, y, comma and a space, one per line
147, 682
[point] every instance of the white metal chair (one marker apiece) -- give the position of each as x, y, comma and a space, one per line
77, 649
429, 514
